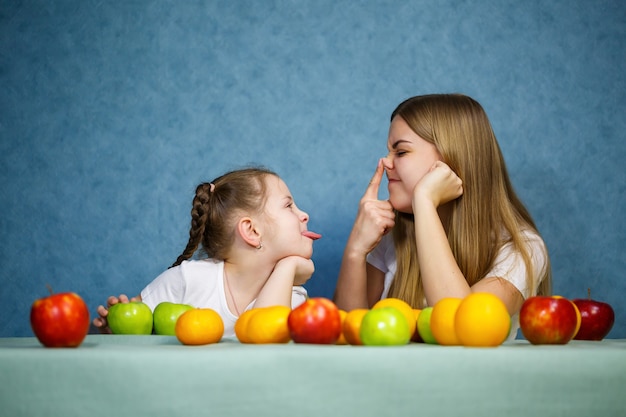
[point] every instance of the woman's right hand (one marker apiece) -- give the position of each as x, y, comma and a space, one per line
373, 220
101, 321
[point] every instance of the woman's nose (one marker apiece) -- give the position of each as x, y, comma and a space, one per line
304, 216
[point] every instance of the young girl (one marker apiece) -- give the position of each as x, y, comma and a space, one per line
456, 225
257, 245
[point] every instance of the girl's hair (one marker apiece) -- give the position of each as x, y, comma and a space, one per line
217, 205
487, 216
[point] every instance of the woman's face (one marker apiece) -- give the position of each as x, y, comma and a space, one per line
286, 224
410, 158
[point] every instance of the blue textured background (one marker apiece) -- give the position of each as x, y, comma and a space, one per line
112, 112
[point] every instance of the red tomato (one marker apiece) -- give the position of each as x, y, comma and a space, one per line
317, 320
60, 320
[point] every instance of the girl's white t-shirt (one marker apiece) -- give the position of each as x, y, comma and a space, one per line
200, 283
509, 265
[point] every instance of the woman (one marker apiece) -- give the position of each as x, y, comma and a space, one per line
453, 223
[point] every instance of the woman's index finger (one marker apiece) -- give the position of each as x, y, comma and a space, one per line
372, 189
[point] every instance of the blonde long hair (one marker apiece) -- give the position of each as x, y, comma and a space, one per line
487, 216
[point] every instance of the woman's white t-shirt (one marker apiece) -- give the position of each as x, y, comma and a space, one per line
509, 265
200, 283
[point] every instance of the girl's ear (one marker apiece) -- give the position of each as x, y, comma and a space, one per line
248, 232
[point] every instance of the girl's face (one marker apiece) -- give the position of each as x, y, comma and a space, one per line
410, 158
286, 223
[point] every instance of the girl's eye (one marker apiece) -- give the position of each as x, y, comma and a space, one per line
400, 153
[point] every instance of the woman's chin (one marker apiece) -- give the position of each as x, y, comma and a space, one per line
401, 206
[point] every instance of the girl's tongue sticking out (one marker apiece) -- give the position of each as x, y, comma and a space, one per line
311, 235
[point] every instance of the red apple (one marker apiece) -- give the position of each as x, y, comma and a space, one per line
597, 318
548, 320
317, 320
60, 320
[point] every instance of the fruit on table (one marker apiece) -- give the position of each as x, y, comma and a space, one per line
404, 307
263, 325
60, 320
134, 317
317, 321
482, 320
548, 320
597, 318
442, 321
241, 325
342, 338
416, 335
385, 326
423, 326
352, 325
165, 315
199, 326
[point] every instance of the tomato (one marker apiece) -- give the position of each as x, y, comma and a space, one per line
317, 320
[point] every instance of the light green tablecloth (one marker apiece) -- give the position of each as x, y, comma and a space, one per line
155, 375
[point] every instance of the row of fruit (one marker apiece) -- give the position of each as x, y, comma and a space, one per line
478, 320
557, 320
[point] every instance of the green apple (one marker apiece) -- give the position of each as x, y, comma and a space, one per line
133, 317
423, 326
385, 326
165, 315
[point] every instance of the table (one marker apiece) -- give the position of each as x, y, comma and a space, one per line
114, 375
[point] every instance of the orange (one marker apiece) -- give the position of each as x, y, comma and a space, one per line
352, 325
579, 319
268, 325
342, 339
442, 321
482, 320
199, 326
241, 325
401, 305
578, 316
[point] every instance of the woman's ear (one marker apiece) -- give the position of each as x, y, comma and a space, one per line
248, 232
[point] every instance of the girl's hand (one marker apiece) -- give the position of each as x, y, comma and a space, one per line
439, 186
374, 218
101, 321
303, 268
288, 272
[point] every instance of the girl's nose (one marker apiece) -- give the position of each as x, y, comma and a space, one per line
304, 216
